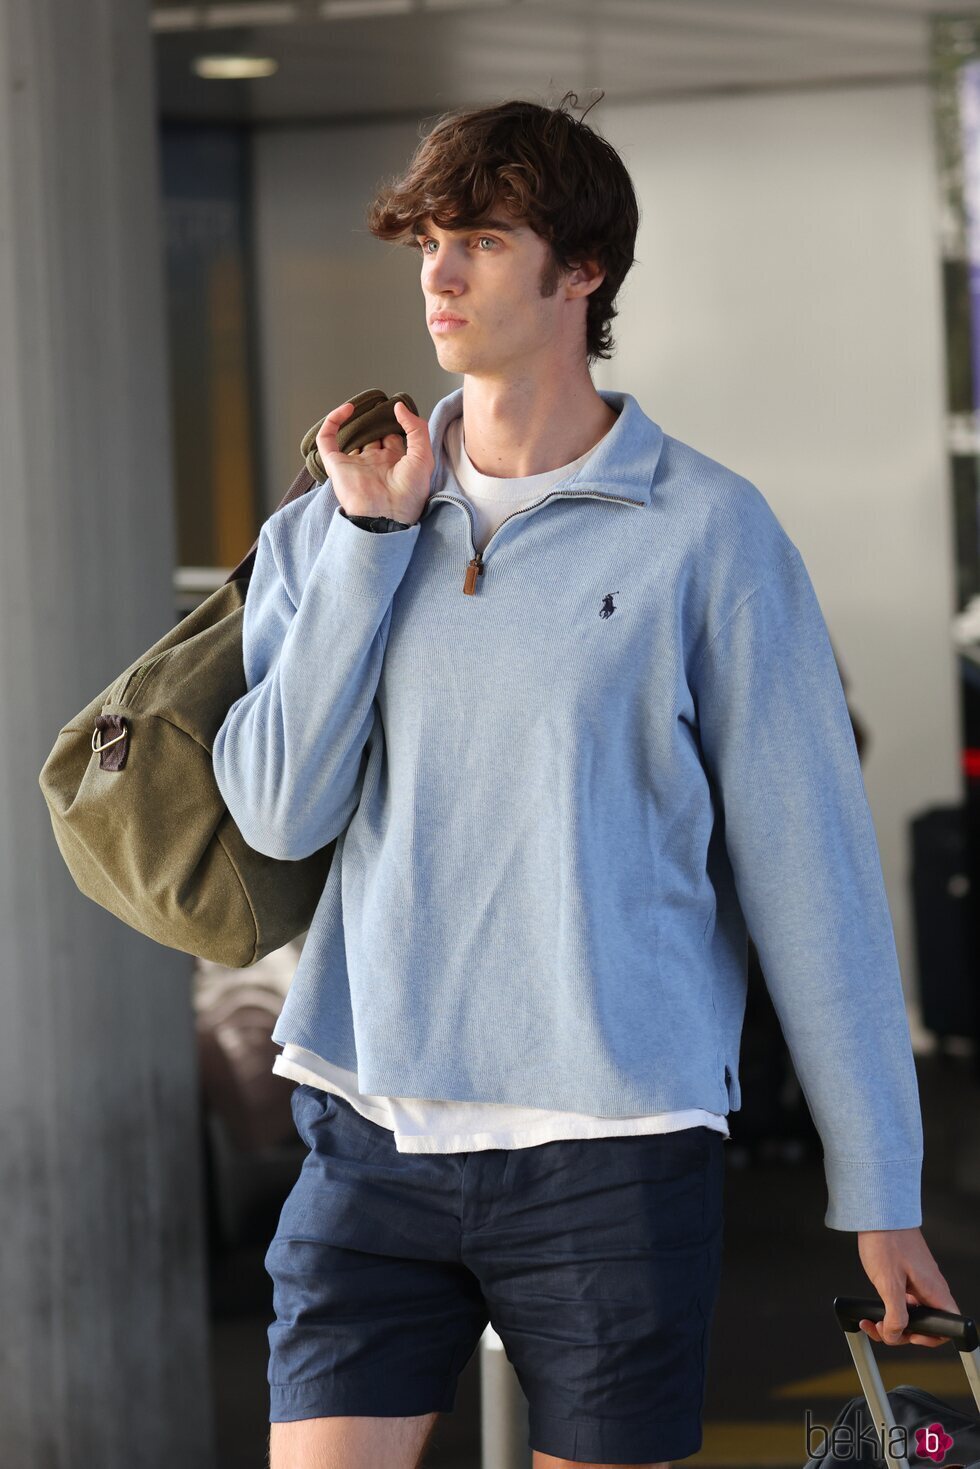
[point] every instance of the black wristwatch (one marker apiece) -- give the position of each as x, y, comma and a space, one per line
379, 523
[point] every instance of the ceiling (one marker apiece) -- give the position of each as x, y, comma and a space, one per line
341, 61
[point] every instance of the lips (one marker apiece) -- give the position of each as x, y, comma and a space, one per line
447, 319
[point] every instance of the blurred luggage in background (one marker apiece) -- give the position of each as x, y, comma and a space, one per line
944, 924
252, 1153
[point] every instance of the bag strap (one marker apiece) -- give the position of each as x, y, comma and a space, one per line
373, 418
304, 481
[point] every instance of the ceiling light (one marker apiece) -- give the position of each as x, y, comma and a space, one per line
250, 15
355, 9
215, 17
184, 19
229, 68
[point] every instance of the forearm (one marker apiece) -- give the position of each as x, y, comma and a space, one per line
287, 757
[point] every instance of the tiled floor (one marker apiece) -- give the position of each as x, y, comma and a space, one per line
776, 1349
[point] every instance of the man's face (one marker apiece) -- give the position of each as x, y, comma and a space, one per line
498, 278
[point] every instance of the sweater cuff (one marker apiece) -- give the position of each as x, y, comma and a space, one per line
883, 1194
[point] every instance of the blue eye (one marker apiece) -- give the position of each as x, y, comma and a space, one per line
422, 245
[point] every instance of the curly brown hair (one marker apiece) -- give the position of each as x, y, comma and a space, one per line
543, 166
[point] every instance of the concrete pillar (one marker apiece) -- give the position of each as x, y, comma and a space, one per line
103, 1311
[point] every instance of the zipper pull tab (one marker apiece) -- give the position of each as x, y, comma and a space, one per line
474, 569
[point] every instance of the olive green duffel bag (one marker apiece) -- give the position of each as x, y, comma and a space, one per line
130, 787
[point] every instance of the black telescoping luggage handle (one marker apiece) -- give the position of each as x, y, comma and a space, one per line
926, 1320
929, 1321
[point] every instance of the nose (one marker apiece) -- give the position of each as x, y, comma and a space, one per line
441, 273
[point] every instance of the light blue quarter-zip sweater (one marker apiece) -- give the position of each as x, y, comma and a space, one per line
564, 776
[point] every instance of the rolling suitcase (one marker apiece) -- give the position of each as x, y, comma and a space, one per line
945, 942
905, 1428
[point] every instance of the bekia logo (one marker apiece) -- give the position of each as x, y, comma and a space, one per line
933, 1443
845, 1442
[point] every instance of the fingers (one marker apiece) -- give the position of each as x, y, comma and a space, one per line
915, 1339
940, 1296
390, 441
420, 449
877, 1330
326, 439
417, 430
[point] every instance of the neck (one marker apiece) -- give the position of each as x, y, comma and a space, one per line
522, 426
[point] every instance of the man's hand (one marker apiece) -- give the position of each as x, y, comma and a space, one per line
900, 1266
390, 477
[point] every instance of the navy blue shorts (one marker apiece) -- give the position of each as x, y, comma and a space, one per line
596, 1260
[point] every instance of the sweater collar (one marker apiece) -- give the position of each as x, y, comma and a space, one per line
624, 463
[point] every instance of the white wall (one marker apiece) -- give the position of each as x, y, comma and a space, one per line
784, 317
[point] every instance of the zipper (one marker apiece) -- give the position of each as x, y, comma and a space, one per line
474, 566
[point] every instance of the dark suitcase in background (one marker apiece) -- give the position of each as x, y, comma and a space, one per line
905, 1428
944, 922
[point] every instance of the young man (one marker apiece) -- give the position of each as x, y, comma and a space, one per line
560, 686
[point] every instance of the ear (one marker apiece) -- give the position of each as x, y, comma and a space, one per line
583, 279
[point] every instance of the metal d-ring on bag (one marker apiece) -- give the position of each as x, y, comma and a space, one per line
130, 786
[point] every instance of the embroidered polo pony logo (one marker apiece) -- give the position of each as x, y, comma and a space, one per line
607, 604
